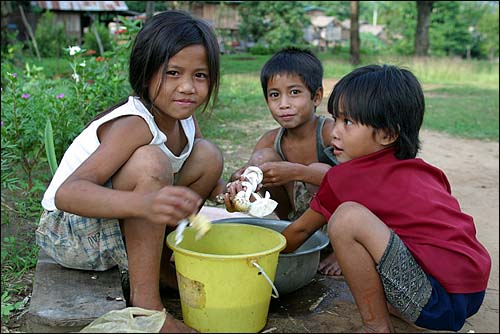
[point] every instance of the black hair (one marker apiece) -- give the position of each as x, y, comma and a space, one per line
384, 97
294, 61
163, 36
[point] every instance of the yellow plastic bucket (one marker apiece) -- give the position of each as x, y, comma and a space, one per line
225, 278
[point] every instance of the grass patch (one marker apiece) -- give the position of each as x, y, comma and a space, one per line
463, 111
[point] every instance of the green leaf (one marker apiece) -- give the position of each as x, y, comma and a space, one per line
49, 146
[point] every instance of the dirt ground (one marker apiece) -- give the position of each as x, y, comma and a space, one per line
472, 168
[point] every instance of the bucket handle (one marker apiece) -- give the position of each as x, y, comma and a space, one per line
261, 271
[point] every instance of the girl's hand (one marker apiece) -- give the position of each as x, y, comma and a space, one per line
171, 204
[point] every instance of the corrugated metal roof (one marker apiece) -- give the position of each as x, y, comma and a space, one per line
97, 6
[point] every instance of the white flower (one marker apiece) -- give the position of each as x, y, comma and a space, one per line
74, 50
76, 77
83, 64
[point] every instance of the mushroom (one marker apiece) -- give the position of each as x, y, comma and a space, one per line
261, 206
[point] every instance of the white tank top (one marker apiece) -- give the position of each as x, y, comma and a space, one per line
87, 142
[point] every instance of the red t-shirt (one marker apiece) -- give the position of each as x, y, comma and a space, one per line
413, 199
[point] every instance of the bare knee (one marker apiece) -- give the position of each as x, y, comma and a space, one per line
147, 169
346, 221
353, 222
344, 215
203, 169
265, 155
206, 151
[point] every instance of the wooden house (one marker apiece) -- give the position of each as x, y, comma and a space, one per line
223, 16
76, 16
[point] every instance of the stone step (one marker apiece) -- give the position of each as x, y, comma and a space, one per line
66, 300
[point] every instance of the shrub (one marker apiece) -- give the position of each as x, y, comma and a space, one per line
50, 36
90, 40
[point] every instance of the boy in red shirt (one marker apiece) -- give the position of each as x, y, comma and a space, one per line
400, 237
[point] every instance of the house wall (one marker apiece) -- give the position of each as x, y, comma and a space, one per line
71, 22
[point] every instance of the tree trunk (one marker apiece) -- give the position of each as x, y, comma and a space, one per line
424, 9
30, 32
150, 9
96, 34
354, 33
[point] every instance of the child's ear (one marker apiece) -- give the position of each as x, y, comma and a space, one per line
318, 97
385, 138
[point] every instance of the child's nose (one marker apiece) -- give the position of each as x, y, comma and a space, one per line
186, 87
335, 132
284, 104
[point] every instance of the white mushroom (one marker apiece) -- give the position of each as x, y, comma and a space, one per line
261, 206
199, 222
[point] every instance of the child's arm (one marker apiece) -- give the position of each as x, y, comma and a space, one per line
281, 172
83, 194
263, 148
300, 230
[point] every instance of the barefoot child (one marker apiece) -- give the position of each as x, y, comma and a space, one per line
139, 168
400, 237
295, 156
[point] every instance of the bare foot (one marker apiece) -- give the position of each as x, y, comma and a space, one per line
329, 266
172, 325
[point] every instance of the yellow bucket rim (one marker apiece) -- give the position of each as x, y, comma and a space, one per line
282, 244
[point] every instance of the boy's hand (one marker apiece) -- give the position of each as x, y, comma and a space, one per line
237, 175
232, 189
277, 173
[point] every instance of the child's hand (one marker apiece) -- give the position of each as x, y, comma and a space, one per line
232, 189
171, 204
277, 173
237, 175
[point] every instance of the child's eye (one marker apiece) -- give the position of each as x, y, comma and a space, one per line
347, 121
273, 95
172, 73
294, 92
201, 75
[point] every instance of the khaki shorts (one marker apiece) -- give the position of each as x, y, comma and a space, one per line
301, 200
80, 242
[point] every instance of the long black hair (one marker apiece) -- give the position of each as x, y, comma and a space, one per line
384, 97
163, 36
160, 39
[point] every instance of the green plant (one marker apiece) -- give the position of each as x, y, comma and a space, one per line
20, 128
49, 147
8, 306
17, 258
50, 35
90, 39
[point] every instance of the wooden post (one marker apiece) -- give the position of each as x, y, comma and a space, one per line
30, 32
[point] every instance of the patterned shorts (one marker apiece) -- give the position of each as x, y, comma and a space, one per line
301, 200
406, 286
80, 242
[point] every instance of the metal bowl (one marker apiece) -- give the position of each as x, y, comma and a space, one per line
296, 269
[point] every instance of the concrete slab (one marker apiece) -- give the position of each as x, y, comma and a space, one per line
66, 300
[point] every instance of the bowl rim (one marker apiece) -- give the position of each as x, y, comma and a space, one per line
323, 239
